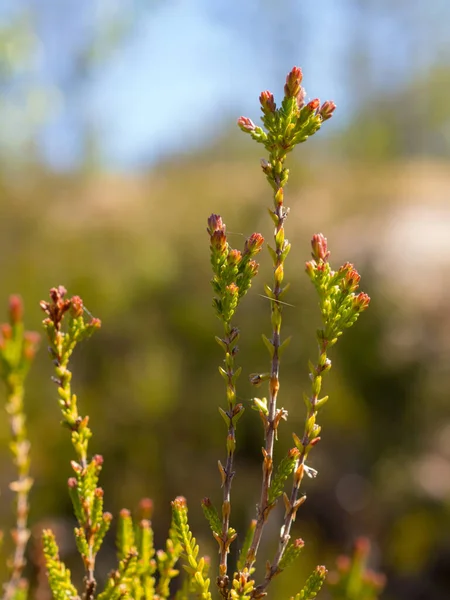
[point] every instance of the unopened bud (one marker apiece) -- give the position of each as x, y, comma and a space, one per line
215, 223
293, 81
15, 309
327, 109
253, 244
267, 102
146, 508
319, 247
76, 306
313, 105
246, 124
361, 302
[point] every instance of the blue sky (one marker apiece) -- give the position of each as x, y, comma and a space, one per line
183, 69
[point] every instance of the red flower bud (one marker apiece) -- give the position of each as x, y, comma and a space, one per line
313, 105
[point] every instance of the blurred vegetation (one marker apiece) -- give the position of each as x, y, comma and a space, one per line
136, 250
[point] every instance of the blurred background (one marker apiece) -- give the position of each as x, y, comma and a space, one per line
117, 140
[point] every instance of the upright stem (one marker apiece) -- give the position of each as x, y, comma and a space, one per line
228, 470
279, 215
65, 376
300, 466
20, 448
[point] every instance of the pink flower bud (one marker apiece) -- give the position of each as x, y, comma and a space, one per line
319, 247
267, 102
327, 109
293, 81
76, 306
252, 268
301, 97
31, 343
215, 223
146, 508
15, 309
97, 459
309, 268
246, 124
95, 323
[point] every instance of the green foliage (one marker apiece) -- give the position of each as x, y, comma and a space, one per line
285, 469
352, 580
313, 585
195, 568
58, 575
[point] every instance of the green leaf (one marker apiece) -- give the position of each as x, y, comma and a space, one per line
268, 344
285, 469
212, 516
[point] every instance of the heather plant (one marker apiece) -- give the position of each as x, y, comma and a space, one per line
17, 350
142, 572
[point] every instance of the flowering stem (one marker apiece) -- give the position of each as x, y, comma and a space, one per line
272, 420
292, 504
233, 273
17, 351
86, 497
340, 308
228, 473
20, 446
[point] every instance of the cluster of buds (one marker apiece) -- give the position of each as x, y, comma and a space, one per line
233, 270
340, 301
289, 125
86, 496
17, 347
352, 578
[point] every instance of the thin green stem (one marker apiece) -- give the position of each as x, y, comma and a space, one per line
271, 423
20, 449
228, 470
